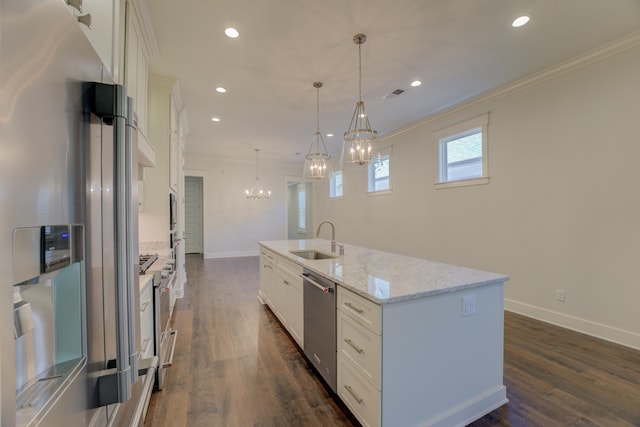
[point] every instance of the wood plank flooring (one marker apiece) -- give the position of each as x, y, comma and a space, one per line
235, 366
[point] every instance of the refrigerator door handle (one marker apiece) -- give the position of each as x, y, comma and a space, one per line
109, 103
132, 305
123, 366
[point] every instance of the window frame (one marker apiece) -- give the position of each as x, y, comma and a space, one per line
446, 135
302, 211
332, 185
385, 152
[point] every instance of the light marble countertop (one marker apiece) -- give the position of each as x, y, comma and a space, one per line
383, 277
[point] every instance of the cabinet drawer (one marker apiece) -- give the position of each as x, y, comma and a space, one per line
360, 346
268, 254
364, 311
289, 266
355, 391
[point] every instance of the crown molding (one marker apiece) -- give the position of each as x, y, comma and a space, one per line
595, 55
149, 34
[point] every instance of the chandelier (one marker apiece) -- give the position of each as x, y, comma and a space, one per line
257, 191
356, 147
316, 164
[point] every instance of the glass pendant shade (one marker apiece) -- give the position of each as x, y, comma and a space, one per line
357, 146
257, 191
316, 163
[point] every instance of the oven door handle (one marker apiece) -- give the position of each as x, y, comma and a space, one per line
324, 289
174, 337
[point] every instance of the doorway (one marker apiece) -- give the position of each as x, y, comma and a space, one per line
299, 210
193, 226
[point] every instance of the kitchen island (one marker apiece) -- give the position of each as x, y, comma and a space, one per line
419, 343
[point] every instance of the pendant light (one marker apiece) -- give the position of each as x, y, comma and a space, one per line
356, 148
316, 164
257, 191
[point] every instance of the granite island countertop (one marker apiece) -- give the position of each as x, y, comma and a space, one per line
384, 277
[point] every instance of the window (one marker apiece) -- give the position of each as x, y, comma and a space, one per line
462, 153
379, 173
335, 185
302, 208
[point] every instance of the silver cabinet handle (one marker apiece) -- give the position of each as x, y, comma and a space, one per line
356, 348
76, 4
353, 393
356, 309
85, 19
144, 307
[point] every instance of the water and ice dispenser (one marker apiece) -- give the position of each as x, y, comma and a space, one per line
48, 313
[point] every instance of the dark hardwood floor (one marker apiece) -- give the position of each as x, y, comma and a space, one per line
235, 366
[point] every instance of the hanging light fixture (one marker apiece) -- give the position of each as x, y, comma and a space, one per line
316, 164
356, 148
257, 191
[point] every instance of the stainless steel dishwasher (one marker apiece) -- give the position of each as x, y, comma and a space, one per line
320, 325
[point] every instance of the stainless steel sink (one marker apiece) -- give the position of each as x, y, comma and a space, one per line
313, 254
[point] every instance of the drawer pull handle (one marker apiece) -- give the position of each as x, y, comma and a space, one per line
353, 393
144, 307
356, 348
356, 309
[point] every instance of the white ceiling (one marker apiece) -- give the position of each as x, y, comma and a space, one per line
458, 48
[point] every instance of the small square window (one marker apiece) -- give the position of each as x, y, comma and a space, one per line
335, 185
462, 153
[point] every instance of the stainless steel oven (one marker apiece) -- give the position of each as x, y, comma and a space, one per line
165, 337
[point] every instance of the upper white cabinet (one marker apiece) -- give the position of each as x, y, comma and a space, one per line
174, 153
138, 50
99, 20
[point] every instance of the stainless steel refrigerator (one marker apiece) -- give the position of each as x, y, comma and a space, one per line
69, 322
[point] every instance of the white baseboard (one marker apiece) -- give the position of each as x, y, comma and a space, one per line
598, 330
237, 254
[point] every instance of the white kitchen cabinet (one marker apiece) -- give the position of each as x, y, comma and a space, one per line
136, 66
359, 347
290, 303
281, 288
174, 153
295, 300
399, 362
99, 20
267, 276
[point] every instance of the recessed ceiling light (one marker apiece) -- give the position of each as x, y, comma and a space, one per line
416, 83
220, 89
215, 119
329, 135
231, 32
520, 21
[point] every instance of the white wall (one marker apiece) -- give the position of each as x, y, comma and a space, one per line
561, 211
234, 224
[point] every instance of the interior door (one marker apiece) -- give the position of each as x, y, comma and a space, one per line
193, 226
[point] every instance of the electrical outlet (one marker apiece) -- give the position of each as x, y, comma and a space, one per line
468, 305
560, 295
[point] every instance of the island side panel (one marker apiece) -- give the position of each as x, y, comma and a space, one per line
439, 367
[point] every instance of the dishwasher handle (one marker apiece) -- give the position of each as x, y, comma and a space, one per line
324, 289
